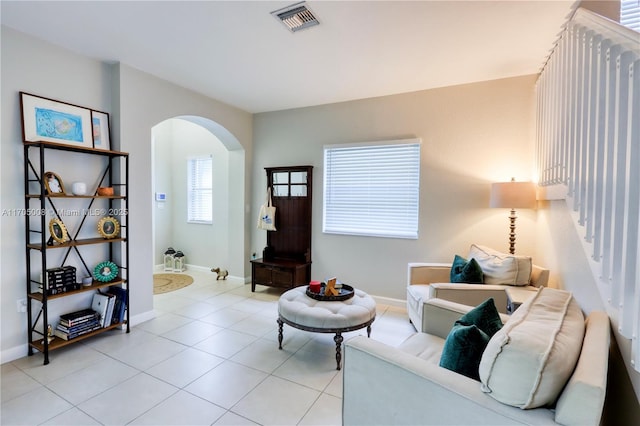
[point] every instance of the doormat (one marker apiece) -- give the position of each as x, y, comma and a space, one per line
164, 283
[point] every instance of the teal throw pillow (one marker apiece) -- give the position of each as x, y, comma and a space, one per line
466, 271
485, 316
463, 349
468, 339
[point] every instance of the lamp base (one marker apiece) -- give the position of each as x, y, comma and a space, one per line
512, 233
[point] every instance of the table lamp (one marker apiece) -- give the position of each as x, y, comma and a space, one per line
513, 195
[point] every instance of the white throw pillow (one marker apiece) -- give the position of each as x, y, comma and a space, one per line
528, 362
502, 268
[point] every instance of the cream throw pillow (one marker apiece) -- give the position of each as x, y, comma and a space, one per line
501, 268
527, 363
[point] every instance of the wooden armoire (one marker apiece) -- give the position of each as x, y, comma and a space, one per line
286, 260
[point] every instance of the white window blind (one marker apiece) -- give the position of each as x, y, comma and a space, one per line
630, 14
200, 190
372, 189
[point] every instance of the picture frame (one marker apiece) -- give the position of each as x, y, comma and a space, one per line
48, 120
100, 130
53, 184
108, 227
58, 232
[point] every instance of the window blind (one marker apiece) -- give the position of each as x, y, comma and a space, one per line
630, 14
200, 190
372, 189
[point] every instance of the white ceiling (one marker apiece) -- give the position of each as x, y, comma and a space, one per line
236, 52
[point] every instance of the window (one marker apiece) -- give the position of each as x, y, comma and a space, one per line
200, 190
372, 189
630, 14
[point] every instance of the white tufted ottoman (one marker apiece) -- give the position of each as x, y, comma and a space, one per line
300, 311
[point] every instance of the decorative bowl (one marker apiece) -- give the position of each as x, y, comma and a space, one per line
105, 190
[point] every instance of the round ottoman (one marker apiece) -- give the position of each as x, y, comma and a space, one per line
298, 310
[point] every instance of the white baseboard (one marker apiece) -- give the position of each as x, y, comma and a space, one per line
143, 317
398, 303
14, 353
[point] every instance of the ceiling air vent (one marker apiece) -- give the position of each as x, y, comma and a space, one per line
296, 17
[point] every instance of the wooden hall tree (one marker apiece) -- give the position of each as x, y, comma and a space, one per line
286, 260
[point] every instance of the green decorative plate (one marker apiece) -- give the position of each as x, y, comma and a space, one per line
105, 271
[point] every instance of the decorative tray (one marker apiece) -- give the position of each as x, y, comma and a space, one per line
346, 292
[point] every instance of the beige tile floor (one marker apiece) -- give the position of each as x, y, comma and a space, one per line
210, 357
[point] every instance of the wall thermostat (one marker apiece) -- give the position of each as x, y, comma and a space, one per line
161, 196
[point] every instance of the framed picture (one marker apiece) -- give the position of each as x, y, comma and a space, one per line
53, 184
58, 231
100, 126
49, 120
108, 227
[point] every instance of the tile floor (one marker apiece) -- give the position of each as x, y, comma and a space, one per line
210, 357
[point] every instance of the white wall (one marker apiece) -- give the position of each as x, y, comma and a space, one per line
472, 135
137, 102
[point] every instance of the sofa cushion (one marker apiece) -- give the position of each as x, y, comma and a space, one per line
468, 338
527, 363
502, 268
465, 271
424, 346
485, 316
463, 350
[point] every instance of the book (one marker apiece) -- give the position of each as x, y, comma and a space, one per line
79, 327
120, 305
77, 317
68, 336
100, 304
110, 306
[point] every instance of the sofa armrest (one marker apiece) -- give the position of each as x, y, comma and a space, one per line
427, 273
539, 276
384, 386
470, 294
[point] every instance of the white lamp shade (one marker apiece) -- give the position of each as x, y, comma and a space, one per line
513, 195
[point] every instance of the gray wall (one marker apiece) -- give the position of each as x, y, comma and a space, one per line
472, 135
137, 102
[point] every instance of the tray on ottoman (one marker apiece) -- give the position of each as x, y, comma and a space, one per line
346, 292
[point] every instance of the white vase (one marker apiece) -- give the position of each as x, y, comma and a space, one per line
79, 188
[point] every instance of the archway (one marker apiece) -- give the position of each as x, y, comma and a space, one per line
220, 243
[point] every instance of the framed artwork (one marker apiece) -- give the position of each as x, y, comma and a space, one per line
100, 126
53, 184
108, 227
105, 271
58, 231
48, 120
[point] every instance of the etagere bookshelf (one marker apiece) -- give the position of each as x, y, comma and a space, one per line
43, 205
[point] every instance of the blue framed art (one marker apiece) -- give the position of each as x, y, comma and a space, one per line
49, 120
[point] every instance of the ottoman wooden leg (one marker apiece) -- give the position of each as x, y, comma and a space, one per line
338, 339
280, 333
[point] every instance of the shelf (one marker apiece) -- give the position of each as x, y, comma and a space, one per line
106, 197
94, 286
65, 147
57, 342
75, 243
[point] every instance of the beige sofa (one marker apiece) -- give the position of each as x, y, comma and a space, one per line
427, 281
384, 385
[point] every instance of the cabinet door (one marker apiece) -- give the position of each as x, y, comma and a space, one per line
263, 275
282, 277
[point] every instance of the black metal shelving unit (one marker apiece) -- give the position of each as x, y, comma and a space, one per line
115, 174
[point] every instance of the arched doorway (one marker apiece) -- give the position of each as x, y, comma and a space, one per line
220, 243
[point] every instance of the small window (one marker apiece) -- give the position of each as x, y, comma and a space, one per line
200, 190
372, 189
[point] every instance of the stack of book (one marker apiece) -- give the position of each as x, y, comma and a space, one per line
106, 309
75, 324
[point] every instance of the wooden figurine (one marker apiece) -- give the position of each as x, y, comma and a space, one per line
330, 289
